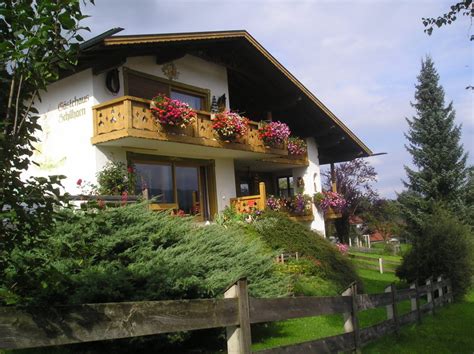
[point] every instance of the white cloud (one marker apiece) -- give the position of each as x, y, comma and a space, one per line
361, 58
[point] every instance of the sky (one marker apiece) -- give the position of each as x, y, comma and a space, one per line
360, 58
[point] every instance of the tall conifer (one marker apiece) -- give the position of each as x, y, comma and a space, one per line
434, 143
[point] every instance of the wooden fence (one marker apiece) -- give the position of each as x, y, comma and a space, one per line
380, 264
39, 327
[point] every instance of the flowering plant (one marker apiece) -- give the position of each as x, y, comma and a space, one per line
274, 133
230, 125
300, 204
342, 248
296, 146
331, 200
172, 112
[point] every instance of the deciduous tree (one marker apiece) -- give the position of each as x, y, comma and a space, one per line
38, 40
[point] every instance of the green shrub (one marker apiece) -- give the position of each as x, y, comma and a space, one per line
133, 254
116, 178
443, 246
281, 233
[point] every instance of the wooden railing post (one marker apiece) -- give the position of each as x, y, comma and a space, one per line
415, 302
392, 308
239, 339
429, 294
263, 195
351, 323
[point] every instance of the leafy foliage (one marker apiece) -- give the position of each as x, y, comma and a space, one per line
354, 181
444, 246
131, 254
462, 7
280, 233
116, 178
38, 39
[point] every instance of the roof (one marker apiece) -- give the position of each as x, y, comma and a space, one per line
376, 236
355, 220
257, 81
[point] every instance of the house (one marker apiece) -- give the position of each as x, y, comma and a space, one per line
100, 112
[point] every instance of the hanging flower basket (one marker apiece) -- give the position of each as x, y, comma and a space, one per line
332, 204
230, 126
172, 113
297, 146
274, 134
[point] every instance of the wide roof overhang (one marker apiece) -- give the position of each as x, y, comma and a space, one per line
258, 83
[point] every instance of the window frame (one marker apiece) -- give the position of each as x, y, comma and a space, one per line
204, 94
290, 186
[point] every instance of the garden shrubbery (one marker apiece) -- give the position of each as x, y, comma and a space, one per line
443, 246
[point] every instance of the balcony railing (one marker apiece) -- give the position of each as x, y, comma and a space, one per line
129, 116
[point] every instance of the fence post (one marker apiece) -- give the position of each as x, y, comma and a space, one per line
392, 308
297, 256
440, 291
381, 265
429, 294
449, 291
351, 323
239, 339
415, 301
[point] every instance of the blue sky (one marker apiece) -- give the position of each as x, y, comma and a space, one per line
361, 58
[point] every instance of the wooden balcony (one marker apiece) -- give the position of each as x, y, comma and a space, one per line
129, 116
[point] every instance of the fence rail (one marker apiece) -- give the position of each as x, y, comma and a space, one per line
58, 325
380, 264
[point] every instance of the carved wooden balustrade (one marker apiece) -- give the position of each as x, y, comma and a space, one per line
129, 116
252, 202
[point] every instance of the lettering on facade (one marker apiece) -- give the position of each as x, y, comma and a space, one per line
69, 109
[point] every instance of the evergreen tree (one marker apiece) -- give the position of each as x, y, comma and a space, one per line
434, 143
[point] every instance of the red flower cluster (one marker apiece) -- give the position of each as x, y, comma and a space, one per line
230, 125
172, 112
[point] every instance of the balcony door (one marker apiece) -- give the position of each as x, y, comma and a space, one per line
184, 186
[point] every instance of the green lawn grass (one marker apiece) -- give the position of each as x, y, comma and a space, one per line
450, 330
311, 328
377, 256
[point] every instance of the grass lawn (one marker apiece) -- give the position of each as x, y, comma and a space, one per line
451, 330
376, 256
306, 329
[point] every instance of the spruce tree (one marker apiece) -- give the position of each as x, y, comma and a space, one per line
434, 143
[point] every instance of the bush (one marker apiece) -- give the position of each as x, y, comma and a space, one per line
443, 246
281, 233
132, 254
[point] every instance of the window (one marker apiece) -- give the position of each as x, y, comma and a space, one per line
285, 186
158, 179
186, 185
147, 86
195, 101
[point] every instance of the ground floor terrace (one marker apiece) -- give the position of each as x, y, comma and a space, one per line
203, 180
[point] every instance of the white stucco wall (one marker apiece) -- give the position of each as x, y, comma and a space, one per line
225, 182
64, 146
311, 175
192, 71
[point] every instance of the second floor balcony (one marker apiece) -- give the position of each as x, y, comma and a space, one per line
131, 117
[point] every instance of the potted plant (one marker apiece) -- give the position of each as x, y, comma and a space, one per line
230, 126
172, 113
332, 203
274, 134
296, 146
